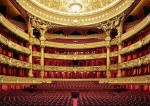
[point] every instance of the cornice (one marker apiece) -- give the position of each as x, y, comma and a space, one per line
13, 45
16, 30
125, 80
136, 62
74, 20
13, 62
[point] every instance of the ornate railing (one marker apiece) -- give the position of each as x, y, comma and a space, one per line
136, 45
75, 46
70, 57
145, 22
136, 29
75, 69
13, 28
113, 67
125, 80
75, 57
13, 62
136, 62
13, 45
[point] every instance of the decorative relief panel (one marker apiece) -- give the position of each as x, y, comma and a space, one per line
136, 45
34, 41
113, 67
16, 30
75, 69
75, 57
40, 24
22, 80
113, 54
111, 23
68, 19
146, 40
114, 41
36, 67
14, 62
13, 45
131, 47
136, 28
75, 46
127, 80
36, 54
136, 62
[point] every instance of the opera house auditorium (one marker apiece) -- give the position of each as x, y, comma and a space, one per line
74, 52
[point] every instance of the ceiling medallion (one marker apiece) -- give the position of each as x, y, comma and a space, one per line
75, 7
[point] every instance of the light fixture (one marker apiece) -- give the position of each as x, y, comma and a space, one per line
75, 7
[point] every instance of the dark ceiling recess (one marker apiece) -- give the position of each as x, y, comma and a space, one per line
131, 18
58, 32
19, 18
91, 32
3, 10
146, 10
75, 33
114, 33
36, 33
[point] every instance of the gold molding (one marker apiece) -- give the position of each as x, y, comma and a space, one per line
75, 69
14, 46
35, 41
136, 45
75, 46
125, 80
145, 22
70, 57
72, 20
113, 67
13, 62
136, 62
16, 30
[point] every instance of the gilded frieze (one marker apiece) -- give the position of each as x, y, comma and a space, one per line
13, 45
136, 62
13, 62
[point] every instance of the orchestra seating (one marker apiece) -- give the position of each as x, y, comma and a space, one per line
76, 41
63, 98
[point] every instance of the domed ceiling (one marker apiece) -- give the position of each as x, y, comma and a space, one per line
75, 7
75, 12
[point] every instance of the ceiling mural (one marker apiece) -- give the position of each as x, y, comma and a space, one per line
75, 7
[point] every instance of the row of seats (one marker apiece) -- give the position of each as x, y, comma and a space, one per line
87, 98
78, 85
76, 41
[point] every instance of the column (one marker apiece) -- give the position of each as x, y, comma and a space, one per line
42, 39
30, 61
119, 48
30, 29
107, 41
42, 61
119, 59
